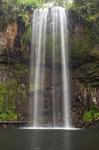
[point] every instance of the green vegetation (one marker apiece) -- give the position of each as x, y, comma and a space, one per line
91, 115
87, 12
35, 3
13, 92
13, 89
11, 9
9, 116
19, 3
85, 17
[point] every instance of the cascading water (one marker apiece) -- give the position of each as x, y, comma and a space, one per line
49, 77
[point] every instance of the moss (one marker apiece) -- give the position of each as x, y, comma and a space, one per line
3, 95
26, 37
13, 88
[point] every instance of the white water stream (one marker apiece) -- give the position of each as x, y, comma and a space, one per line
54, 18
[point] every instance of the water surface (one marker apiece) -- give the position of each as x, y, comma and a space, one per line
49, 140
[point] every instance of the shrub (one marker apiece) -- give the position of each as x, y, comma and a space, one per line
9, 116
91, 115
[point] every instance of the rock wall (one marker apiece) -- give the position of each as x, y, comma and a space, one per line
14, 73
7, 37
84, 68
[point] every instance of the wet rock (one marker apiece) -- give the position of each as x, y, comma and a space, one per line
7, 37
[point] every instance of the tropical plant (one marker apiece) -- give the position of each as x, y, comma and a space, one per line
91, 115
9, 116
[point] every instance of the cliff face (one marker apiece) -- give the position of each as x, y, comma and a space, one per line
84, 66
14, 70
7, 37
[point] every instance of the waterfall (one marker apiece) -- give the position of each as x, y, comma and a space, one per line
65, 76
49, 75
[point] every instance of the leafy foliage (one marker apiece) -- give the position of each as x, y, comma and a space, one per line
91, 115
86, 16
9, 116
19, 3
87, 11
35, 3
10, 9
13, 93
